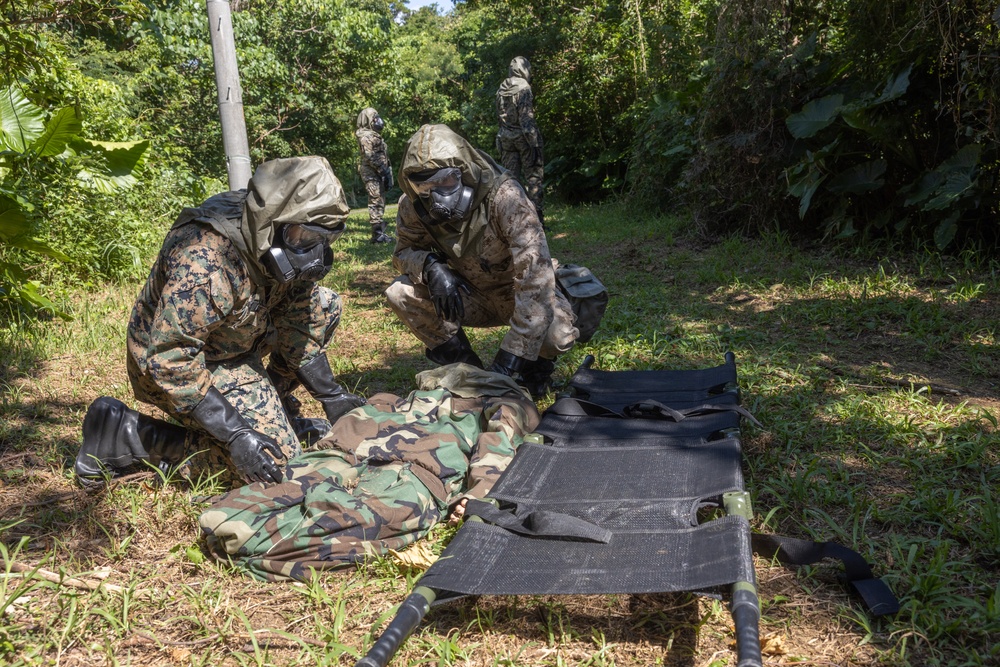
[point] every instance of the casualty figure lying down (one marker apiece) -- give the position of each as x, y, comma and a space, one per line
380, 479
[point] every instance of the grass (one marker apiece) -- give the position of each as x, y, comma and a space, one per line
875, 378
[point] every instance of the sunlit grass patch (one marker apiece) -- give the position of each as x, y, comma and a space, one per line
850, 362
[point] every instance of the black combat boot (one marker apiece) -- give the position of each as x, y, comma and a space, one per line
456, 349
116, 437
380, 236
308, 430
535, 376
317, 377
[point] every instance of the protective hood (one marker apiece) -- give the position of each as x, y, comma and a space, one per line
287, 190
435, 147
365, 121
520, 67
518, 78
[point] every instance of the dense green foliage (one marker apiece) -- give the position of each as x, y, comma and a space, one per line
853, 118
875, 116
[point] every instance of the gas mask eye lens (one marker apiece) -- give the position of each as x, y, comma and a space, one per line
444, 181
305, 236
442, 194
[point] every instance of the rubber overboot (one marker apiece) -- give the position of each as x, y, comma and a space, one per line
308, 430
317, 377
456, 349
536, 375
116, 437
380, 236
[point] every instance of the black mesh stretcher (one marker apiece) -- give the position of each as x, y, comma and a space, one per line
632, 485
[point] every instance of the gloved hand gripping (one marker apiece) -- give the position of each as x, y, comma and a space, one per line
445, 287
253, 453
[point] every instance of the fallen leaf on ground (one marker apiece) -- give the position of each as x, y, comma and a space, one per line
418, 556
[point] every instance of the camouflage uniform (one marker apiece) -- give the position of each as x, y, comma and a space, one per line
375, 170
389, 472
507, 267
511, 277
202, 320
519, 141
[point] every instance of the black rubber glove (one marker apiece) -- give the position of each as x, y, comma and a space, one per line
507, 363
446, 288
317, 377
387, 180
249, 449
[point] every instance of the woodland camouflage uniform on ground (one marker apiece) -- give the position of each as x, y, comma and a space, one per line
382, 478
375, 170
501, 252
519, 141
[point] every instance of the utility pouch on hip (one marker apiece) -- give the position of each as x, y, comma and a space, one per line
587, 296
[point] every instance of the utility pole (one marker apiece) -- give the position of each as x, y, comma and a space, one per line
227, 82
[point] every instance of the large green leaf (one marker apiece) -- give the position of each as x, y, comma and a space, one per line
59, 131
895, 87
859, 178
113, 166
956, 184
12, 220
814, 116
804, 186
21, 121
29, 293
946, 230
39, 246
949, 181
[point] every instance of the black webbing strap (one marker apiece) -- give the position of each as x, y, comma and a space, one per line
539, 523
654, 409
877, 596
577, 407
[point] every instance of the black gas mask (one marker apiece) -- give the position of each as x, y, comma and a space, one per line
378, 124
442, 195
302, 252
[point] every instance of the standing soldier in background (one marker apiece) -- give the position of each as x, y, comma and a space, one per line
375, 170
235, 280
518, 140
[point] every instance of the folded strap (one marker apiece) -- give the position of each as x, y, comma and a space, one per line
878, 598
654, 409
577, 407
539, 523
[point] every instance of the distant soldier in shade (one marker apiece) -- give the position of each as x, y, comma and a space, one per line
518, 140
375, 170
235, 282
472, 252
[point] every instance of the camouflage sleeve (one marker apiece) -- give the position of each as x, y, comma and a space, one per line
302, 322
526, 116
534, 277
197, 295
507, 421
413, 243
373, 152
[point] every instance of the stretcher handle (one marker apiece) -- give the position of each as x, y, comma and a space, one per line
587, 362
745, 606
410, 613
